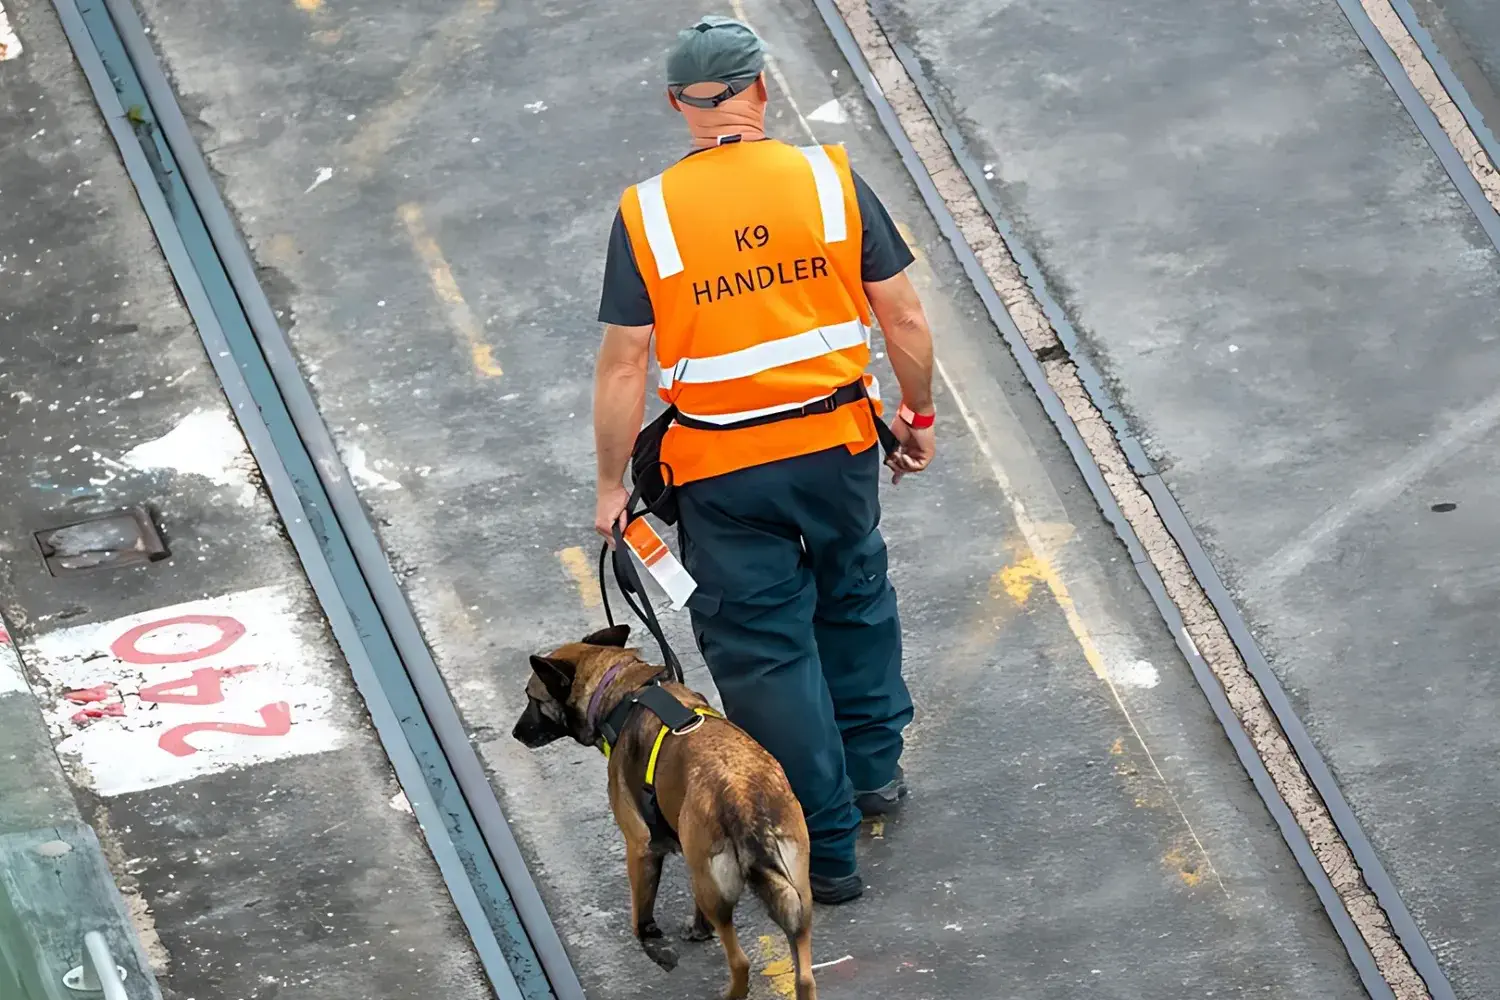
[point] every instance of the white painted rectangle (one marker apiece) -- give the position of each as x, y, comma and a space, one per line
188, 690
10, 45
12, 681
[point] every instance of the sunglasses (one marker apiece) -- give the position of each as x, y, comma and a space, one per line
731, 89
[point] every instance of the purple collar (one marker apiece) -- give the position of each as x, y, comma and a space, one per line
597, 698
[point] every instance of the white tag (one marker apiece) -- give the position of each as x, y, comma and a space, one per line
660, 562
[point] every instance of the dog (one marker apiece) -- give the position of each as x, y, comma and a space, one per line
728, 804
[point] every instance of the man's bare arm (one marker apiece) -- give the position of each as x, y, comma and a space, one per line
619, 407
908, 339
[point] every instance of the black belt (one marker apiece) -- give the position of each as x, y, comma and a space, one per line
842, 396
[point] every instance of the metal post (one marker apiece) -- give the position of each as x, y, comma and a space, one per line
98, 973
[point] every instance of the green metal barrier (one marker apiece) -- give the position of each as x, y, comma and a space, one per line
64, 932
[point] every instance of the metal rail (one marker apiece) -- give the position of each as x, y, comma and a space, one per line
415, 718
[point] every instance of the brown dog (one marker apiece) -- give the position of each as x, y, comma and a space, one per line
735, 819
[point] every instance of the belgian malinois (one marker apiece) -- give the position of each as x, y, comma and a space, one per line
726, 803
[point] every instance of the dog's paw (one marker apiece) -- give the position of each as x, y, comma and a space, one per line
698, 929
648, 930
662, 954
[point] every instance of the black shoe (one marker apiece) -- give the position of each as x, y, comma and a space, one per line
885, 800
831, 891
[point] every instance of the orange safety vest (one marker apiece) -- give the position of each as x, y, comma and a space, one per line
750, 253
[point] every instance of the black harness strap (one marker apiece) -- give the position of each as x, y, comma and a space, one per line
677, 719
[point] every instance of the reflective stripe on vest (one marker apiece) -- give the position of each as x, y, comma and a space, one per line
830, 194
659, 225
771, 354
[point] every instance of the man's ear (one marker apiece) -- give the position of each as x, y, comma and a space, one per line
556, 674
760, 89
615, 635
673, 101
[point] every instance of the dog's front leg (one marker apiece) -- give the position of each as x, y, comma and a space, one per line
644, 865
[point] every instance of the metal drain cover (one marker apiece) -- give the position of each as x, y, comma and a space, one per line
107, 541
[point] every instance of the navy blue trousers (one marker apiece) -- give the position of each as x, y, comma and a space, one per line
797, 621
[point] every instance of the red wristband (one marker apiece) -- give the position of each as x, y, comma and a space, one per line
918, 421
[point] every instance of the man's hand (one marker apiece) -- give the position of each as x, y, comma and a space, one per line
916, 451
609, 510
908, 342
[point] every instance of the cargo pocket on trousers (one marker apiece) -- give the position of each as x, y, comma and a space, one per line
704, 604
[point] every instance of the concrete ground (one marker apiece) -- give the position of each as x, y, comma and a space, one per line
256, 866
429, 194
1298, 312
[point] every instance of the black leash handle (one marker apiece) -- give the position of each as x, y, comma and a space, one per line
628, 579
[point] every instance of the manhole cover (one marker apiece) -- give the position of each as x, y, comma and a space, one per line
122, 538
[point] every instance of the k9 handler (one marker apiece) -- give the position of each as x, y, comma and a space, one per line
756, 265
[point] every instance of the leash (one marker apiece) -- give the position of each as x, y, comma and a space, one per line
628, 578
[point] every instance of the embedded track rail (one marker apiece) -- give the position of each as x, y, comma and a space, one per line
417, 722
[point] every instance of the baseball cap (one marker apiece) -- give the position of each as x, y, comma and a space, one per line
715, 50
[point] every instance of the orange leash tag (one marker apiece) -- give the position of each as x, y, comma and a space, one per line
660, 562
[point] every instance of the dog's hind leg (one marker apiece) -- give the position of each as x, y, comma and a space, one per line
718, 909
802, 958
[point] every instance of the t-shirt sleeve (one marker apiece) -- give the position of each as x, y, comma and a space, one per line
885, 253
624, 301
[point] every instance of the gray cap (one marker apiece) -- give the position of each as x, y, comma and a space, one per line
715, 50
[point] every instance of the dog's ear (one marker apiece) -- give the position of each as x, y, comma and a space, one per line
615, 635
556, 674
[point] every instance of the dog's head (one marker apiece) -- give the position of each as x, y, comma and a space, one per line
560, 684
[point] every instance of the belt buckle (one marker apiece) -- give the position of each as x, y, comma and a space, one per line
825, 405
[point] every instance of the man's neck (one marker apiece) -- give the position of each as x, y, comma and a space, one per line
708, 136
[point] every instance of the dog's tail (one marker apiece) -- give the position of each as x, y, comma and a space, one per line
776, 868
777, 871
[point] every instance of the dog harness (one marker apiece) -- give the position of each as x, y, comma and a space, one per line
676, 720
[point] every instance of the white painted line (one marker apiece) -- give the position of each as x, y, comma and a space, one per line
12, 680
10, 45
836, 961
185, 691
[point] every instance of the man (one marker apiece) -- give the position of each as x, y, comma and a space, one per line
756, 265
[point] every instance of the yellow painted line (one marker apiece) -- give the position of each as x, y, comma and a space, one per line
778, 968
445, 43
581, 569
308, 5
1017, 579
1042, 539
445, 287
1180, 862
